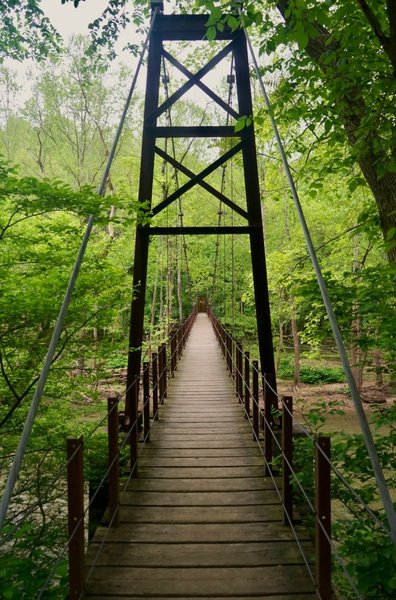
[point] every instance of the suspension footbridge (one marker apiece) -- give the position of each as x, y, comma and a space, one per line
205, 505
201, 520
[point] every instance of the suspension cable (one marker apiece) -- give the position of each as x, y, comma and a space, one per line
232, 255
230, 82
176, 177
16, 465
367, 435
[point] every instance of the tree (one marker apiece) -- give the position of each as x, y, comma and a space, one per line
353, 49
25, 32
346, 58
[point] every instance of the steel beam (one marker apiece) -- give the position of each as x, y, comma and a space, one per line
142, 242
253, 199
206, 186
227, 229
193, 28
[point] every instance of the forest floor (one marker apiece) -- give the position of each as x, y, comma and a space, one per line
337, 396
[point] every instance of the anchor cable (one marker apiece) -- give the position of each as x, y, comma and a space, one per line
16, 465
367, 435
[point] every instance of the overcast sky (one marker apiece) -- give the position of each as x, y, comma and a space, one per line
69, 20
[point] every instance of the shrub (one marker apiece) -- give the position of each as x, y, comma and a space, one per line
368, 552
312, 374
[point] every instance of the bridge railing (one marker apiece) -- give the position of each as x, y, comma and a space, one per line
154, 376
275, 431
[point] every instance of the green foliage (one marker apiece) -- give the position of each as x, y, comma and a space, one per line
315, 375
24, 566
65, 131
368, 552
25, 32
371, 559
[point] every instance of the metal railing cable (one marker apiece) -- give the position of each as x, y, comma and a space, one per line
63, 550
304, 494
309, 503
367, 435
311, 437
15, 468
124, 489
57, 477
258, 441
223, 181
125, 440
336, 471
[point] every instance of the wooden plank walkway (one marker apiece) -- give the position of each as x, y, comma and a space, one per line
201, 521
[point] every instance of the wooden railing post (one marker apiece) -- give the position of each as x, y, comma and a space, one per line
268, 422
161, 373
154, 376
114, 461
287, 458
165, 373
255, 400
146, 401
247, 384
75, 501
173, 357
179, 341
186, 331
229, 353
323, 517
233, 360
134, 429
238, 369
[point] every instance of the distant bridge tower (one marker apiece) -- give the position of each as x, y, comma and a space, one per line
193, 28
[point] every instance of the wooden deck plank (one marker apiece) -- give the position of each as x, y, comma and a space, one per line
205, 472
193, 498
198, 555
200, 443
159, 451
199, 485
202, 461
195, 582
201, 514
290, 596
201, 533
201, 520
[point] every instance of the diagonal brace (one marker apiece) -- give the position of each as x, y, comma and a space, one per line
206, 186
197, 179
191, 82
201, 85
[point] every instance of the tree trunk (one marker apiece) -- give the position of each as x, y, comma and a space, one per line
356, 355
296, 348
281, 345
80, 366
379, 379
96, 340
356, 359
352, 112
110, 227
384, 192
